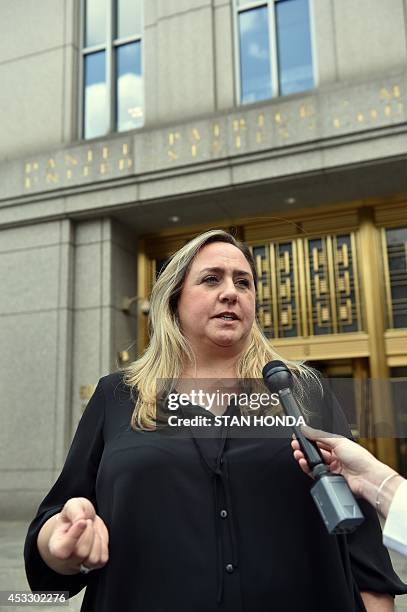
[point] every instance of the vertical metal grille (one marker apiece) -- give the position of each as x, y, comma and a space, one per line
332, 301
395, 262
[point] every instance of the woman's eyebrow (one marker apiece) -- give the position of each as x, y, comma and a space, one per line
219, 270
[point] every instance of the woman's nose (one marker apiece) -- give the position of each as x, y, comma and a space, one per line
228, 292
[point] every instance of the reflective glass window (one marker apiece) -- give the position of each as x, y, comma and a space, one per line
95, 102
129, 18
95, 22
294, 46
255, 68
129, 87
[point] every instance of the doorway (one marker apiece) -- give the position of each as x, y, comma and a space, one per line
348, 381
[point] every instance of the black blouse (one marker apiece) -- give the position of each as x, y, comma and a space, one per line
205, 524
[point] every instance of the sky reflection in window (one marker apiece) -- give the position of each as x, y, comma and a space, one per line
294, 46
96, 119
255, 71
129, 87
95, 23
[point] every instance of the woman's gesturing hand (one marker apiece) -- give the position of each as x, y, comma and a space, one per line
78, 536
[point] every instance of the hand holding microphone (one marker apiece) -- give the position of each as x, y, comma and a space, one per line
367, 476
332, 496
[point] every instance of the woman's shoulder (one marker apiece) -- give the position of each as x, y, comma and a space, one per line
119, 402
114, 387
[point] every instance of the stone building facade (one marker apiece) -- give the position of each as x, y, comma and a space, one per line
314, 181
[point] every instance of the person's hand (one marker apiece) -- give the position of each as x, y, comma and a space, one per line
80, 536
345, 457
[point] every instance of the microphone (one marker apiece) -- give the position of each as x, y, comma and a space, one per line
334, 499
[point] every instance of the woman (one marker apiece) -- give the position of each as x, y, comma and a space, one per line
169, 523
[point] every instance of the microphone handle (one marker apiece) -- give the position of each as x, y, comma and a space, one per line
309, 448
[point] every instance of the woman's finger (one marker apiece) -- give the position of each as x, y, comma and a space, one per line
101, 529
326, 455
63, 542
85, 543
295, 445
325, 446
298, 454
104, 551
304, 466
318, 434
77, 508
94, 557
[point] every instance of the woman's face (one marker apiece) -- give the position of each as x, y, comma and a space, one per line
217, 302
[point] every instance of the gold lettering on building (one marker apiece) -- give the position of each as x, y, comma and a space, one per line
173, 138
196, 137
71, 165
70, 160
260, 128
31, 176
216, 146
52, 178
125, 161
282, 125
306, 110
239, 125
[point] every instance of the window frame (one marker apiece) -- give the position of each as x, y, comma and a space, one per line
109, 47
273, 50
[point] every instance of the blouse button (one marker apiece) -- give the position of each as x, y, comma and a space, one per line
223, 513
229, 568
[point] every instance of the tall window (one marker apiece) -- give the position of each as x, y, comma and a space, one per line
112, 66
274, 48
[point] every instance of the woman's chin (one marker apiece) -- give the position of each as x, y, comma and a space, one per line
225, 340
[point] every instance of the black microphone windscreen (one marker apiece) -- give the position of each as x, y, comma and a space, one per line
276, 363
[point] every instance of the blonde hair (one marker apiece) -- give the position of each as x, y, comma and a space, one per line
168, 349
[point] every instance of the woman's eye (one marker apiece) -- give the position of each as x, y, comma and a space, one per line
210, 279
243, 282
